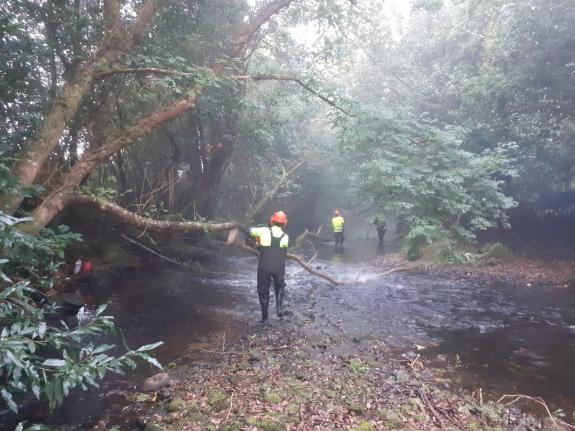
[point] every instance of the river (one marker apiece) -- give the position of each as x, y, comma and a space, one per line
501, 338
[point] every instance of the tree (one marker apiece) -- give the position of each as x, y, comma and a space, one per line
115, 45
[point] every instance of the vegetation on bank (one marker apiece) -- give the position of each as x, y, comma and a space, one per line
42, 357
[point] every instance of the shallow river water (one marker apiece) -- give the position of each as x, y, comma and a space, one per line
504, 339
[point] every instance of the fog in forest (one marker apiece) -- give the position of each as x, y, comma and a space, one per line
415, 157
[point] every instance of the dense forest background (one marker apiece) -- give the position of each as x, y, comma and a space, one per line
442, 116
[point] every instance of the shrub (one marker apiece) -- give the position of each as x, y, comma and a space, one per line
40, 355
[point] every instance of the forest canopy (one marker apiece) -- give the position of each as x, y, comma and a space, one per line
441, 115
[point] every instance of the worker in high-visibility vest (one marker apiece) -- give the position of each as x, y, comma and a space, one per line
273, 243
337, 225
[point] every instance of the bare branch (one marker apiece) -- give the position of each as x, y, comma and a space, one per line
298, 81
253, 25
140, 71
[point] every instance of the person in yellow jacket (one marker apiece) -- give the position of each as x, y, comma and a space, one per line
338, 225
272, 243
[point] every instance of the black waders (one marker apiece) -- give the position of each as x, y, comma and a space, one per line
271, 266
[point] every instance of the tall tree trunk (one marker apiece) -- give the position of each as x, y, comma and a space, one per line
55, 202
58, 199
65, 104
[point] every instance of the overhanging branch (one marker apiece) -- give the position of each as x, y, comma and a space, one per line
149, 224
104, 73
298, 81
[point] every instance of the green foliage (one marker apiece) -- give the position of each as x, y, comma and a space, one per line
40, 355
8, 185
420, 171
358, 366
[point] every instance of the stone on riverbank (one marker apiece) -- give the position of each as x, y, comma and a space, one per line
157, 382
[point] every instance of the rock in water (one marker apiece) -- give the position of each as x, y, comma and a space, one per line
157, 382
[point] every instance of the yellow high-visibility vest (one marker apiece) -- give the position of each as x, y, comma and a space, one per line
264, 236
337, 224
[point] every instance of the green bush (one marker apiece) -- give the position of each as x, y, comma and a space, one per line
38, 354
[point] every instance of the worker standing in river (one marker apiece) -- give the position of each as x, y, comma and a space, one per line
379, 223
272, 243
337, 225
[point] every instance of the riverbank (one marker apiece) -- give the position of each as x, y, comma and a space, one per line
285, 376
381, 352
557, 270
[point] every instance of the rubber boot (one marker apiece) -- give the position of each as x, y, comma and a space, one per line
279, 301
264, 303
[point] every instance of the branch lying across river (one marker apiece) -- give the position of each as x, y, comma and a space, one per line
234, 228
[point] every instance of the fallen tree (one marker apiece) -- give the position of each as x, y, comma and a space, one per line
159, 226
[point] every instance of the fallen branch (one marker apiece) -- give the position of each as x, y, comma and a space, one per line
147, 223
161, 256
430, 407
538, 400
392, 270
233, 238
308, 235
230, 409
308, 268
328, 100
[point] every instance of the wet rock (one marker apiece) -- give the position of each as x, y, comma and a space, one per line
174, 405
157, 382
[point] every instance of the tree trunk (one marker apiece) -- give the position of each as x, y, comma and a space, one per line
55, 202
51, 131
65, 104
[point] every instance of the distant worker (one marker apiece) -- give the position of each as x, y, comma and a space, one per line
272, 243
379, 223
337, 225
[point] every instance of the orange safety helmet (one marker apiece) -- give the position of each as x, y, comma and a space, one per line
279, 218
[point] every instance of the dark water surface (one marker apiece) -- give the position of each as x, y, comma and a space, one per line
504, 339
